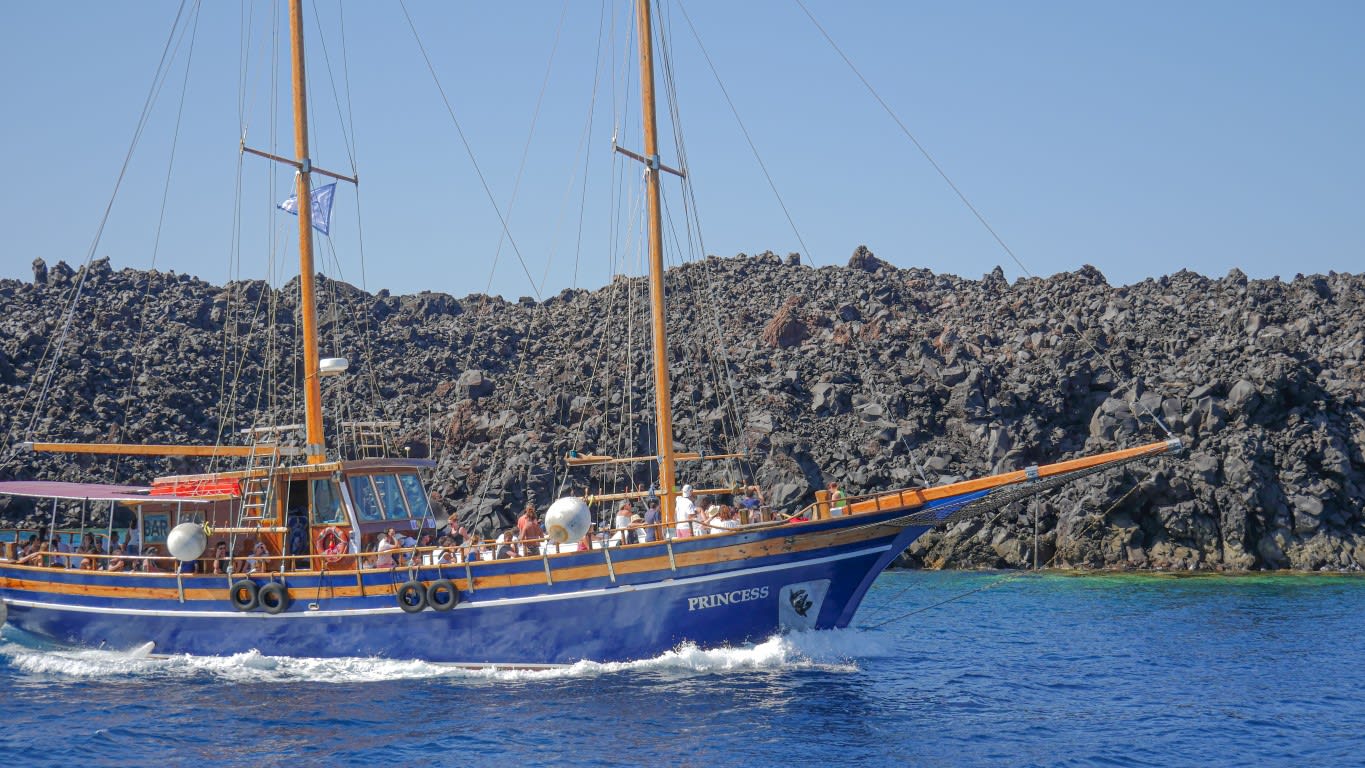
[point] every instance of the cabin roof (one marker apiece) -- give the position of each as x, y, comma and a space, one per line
126, 494
367, 464
302, 470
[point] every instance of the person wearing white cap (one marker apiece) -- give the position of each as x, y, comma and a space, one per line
683, 511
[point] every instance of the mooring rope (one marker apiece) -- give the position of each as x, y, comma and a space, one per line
1007, 577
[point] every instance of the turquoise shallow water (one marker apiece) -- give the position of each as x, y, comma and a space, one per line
1031, 670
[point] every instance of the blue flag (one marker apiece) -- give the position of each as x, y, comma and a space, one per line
321, 208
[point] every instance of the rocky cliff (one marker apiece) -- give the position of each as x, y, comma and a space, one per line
869, 375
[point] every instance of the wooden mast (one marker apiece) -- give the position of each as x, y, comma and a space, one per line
312, 387
662, 398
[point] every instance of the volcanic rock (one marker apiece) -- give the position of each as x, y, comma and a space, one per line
869, 375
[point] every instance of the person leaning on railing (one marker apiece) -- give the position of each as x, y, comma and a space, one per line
151, 561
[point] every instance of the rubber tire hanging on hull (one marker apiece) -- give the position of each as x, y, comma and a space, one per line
273, 597
244, 595
412, 597
435, 591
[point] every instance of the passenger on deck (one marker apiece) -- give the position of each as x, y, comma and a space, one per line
750, 504
131, 546
474, 551
88, 550
31, 553
406, 541
298, 535
28, 548
149, 564
57, 545
506, 545
684, 509
528, 527
707, 510
424, 545
837, 503
650, 532
445, 551
116, 561
622, 534
221, 562
257, 563
725, 520
388, 542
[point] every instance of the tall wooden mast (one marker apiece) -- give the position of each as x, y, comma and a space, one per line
662, 399
312, 387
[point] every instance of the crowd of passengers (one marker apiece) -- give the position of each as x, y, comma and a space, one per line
633, 522
94, 555
91, 554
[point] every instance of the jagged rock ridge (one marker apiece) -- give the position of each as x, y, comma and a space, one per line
866, 374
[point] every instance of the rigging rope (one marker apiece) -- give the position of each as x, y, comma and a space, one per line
156, 239
805, 249
1007, 577
963, 197
469, 150
56, 347
526, 152
719, 368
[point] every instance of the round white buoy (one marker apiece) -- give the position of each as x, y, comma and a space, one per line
187, 542
4, 613
567, 520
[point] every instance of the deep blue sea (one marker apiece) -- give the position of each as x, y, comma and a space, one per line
1036, 669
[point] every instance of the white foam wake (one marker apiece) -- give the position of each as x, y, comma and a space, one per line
834, 651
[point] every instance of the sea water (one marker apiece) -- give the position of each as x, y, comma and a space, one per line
943, 669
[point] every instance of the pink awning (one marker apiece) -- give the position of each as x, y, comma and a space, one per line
127, 494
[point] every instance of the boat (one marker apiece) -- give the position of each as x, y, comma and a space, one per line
310, 586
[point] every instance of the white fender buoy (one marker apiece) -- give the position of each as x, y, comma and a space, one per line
4, 613
567, 520
187, 542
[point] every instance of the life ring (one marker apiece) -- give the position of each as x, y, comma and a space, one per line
412, 597
442, 595
244, 595
273, 597
339, 547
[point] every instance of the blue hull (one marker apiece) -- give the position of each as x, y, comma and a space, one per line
622, 604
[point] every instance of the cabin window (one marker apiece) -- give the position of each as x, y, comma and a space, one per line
416, 496
326, 502
366, 501
392, 497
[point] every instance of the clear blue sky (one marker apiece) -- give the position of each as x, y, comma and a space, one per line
1139, 137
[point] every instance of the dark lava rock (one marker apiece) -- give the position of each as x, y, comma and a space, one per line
869, 375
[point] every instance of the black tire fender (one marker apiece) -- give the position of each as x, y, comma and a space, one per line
273, 597
442, 595
244, 595
412, 597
